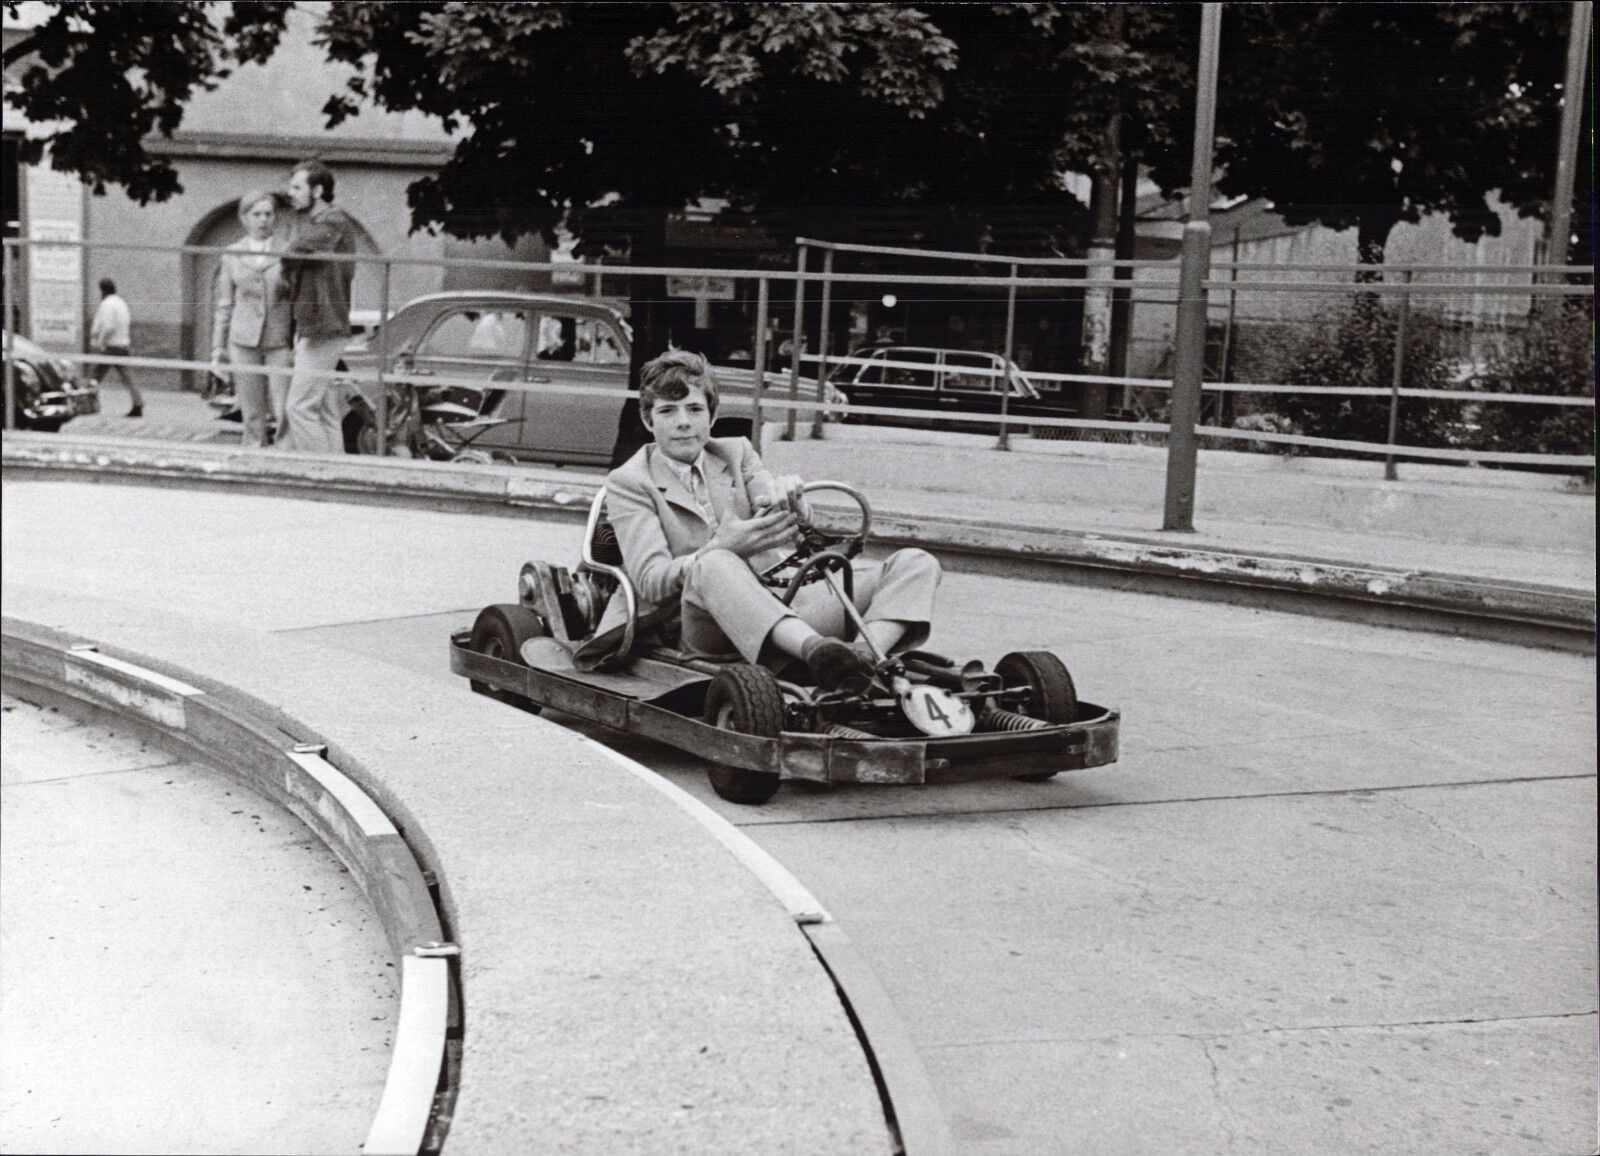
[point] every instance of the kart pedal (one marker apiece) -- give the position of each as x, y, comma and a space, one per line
840, 731
995, 719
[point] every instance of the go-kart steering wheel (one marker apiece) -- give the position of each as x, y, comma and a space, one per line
814, 541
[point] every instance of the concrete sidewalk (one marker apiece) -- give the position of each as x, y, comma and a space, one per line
1490, 524
1502, 525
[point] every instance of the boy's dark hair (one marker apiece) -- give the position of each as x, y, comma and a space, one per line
107, 286
670, 376
319, 176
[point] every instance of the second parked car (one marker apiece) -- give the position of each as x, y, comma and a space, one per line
949, 381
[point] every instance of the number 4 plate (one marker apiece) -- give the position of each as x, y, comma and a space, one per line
935, 711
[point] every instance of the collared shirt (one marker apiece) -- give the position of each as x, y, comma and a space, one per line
111, 324
260, 252
693, 476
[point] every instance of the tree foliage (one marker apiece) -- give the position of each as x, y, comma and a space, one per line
1367, 115
99, 77
634, 107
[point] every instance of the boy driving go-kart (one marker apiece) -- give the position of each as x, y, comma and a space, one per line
708, 610
699, 518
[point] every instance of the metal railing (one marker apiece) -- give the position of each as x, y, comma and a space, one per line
795, 397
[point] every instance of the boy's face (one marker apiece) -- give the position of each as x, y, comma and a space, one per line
682, 427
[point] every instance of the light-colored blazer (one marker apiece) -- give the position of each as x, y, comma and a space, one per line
659, 524
253, 307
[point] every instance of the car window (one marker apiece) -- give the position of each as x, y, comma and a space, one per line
971, 373
872, 372
903, 367
598, 343
475, 333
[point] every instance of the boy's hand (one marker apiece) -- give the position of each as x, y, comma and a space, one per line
785, 493
748, 536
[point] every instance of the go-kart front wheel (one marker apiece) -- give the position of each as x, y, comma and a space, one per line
1052, 698
499, 632
745, 699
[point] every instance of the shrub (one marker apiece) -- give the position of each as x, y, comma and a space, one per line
1555, 358
1354, 346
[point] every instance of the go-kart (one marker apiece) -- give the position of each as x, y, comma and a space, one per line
924, 719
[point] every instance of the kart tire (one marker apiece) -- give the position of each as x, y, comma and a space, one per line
499, 632
1052, 697
745, 699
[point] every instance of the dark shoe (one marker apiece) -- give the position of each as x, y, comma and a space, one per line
837, 665
136, 411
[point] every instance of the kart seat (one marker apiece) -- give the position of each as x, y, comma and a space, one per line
603, 545
602, 559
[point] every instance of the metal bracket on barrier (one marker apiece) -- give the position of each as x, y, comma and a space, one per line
436, 950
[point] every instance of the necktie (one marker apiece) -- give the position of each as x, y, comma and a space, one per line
702, 494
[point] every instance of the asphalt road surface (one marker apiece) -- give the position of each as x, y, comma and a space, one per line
1337, 896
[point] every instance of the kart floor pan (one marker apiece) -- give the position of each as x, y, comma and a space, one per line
1090, 741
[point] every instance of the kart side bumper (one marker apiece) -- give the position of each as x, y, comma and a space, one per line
1090, 741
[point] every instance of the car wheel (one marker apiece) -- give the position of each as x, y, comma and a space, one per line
360, 433
474, 457
499, 632
745, 699
1052, 698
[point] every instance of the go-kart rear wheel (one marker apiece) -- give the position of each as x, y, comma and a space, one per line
499, 632
746, 699
1051, 696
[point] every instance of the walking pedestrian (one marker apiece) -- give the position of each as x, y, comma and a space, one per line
250, 327
320, 291
109, 335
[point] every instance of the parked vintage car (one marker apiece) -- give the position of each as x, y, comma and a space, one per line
949, 381
49, 392
571, 352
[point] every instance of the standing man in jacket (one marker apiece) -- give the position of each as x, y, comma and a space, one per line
109, 334
321, 294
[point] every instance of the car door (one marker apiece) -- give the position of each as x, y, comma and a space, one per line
909, 381
480, 343
577, 377
970, 382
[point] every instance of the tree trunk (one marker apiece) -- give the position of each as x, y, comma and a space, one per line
1372, 235
647, 301
1096, 358
1122, 299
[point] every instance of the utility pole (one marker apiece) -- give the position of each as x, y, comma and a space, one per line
1571, 116
1195, 263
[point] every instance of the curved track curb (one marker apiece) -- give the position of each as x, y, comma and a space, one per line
231, 732
1547, 616
909, 1099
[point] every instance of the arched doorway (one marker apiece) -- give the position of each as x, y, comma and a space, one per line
221, 227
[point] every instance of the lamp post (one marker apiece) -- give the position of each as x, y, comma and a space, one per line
1190, 342
1571, 115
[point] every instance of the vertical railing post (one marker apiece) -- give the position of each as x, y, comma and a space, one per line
760, 363
1005, 383
1227, 331
599, 277
795, 341
383, 390
822, 342
11, 258
1389, 471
